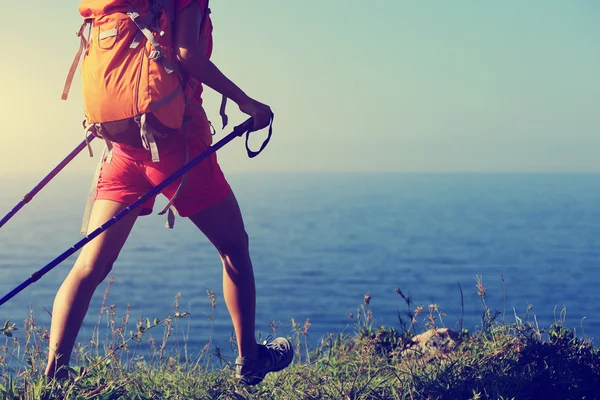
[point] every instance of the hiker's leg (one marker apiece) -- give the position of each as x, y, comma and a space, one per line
223, 225
90, 269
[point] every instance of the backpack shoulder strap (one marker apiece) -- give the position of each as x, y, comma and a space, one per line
157, 54
83, 44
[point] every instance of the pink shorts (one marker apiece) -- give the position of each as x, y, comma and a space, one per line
131, 173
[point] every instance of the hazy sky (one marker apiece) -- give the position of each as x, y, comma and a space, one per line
355, 85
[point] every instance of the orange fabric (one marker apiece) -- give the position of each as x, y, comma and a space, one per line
119, 82
107, 86
131, 173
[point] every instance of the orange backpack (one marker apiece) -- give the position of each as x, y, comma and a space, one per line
133, 90
132, 87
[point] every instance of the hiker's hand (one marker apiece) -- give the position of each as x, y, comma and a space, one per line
261, 113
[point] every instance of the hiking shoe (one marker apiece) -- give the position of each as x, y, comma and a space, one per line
272, 357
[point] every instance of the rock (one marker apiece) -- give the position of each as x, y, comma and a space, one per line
434, 343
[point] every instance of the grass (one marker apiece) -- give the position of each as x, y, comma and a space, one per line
516, 360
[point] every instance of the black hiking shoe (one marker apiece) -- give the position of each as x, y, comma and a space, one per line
272, 357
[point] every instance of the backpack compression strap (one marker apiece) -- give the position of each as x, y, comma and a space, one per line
83, 44
143, 25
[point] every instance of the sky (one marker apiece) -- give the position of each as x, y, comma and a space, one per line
385, 85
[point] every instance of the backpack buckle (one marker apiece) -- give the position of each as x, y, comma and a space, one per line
155, 55
135, 17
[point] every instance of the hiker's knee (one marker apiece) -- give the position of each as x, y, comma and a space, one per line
107, 270
93, 271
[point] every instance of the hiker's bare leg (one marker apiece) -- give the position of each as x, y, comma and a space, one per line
223, 225
90, 269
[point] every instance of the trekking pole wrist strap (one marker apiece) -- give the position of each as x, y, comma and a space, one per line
246, 127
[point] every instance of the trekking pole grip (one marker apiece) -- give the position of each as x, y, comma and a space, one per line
244, 127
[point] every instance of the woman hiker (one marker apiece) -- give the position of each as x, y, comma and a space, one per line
206, 199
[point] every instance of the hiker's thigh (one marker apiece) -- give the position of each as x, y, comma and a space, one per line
223, 225
97, 256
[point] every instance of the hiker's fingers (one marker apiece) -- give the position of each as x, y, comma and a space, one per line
263, 119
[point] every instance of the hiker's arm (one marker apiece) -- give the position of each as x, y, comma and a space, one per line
191, 57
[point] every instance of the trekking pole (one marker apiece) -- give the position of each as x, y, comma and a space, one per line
237, 131
27, 198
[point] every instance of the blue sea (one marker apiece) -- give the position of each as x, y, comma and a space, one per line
320, 242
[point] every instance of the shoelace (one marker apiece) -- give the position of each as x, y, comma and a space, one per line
267, 340
278, 354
